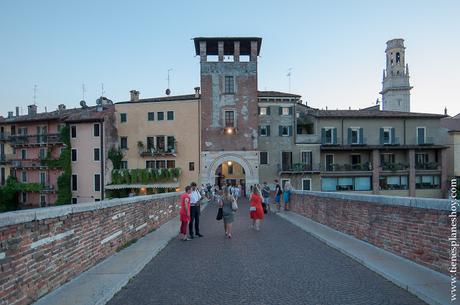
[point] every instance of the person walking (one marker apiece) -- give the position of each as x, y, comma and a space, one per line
256, 209
195, 198
287, 195
228, 211
278, 193
266, 196
185, 212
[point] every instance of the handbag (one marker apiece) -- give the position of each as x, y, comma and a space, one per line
220, 214
234, 205
252, 209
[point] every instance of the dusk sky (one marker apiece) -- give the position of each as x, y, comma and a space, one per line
335, 49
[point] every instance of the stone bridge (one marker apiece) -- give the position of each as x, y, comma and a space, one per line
332, 248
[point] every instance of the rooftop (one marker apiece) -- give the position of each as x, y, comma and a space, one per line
173, 98
211, 45
277, 94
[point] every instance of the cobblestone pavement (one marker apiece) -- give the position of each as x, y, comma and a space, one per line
280, 264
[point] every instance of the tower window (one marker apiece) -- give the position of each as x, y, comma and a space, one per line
398, 57
229, 85
229, 118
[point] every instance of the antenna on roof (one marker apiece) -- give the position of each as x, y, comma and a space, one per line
35, 94
168, 90
83, 90
289, 77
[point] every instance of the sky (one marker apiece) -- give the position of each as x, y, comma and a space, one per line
336, 49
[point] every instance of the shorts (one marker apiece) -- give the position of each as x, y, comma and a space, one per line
266, 200
278, 199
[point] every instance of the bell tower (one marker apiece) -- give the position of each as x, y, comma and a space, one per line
395, 85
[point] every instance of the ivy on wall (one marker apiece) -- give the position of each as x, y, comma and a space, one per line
64, 192
9, 193
116, 156
144, 176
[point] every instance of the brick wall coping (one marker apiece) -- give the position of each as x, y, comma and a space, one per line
421, 203
16, 217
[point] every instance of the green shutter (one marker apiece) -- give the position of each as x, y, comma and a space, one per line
334, 139
393, 139
361, 136
290, 130
280, 129
268, 110
323, 136
268, 130
259, 130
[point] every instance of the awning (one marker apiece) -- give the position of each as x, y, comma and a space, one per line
139, 186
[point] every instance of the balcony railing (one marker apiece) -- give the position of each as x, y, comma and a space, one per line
360, 167
394, 167
6, 158
37, 163
297, 167
51, 138
394, 141
428, 166
4, 136
427, 141
154, 152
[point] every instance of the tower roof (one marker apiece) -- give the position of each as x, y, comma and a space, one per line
212, 49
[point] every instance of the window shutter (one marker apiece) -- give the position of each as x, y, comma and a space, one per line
334, 141
393, 139
290, 130
349, 136
268, 110
361, 134
323, 136
290, 110
280, 110
268, 130
381, 136
280, 130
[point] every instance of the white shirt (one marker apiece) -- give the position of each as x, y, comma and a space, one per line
194, 197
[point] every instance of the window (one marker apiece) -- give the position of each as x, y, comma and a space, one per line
96, 130
285, 110
42, 153
160, 143
283, 182
123, 117
229, 85
160, 116
387, 159
421, 158
286, 160
306, 184
229, 118
124, 165
74, 200
264, 110
24, 197
97, 199
285, 131
124, 142
263, 157
171, 144
170, 164
329, 135
355, 135
73, 131
74, 155
170, 115
23, 154
427, 182
150, 143
161, 164
387, 135
149, 164
421, 135
346, 184
191, 166
151, 116
97, 154
393, 183
264, 130
74, 183
24, 176
306, 157
398, 57
230, 168
355, 159
329, 160
97, 182
42, 200
42, 178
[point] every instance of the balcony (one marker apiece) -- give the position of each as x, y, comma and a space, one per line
4, 136
428, 166
297, 168
392, 142
5, 159
393, 167
35, 163
43, 139
360, 167
427, 141
154, 152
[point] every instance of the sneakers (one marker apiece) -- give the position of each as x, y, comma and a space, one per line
199, 235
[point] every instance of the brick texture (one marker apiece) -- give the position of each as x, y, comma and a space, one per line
413, 233
29, 271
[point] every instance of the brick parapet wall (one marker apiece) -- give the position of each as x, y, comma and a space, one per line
414, 228
42, 249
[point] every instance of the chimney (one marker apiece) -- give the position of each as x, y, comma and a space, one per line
134, 95
197, 92
17, 111
61, 107
445, 111
32, 109
10, 114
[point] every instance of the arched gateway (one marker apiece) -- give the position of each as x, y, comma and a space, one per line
248, 161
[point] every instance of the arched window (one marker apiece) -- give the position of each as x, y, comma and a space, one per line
398, 57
